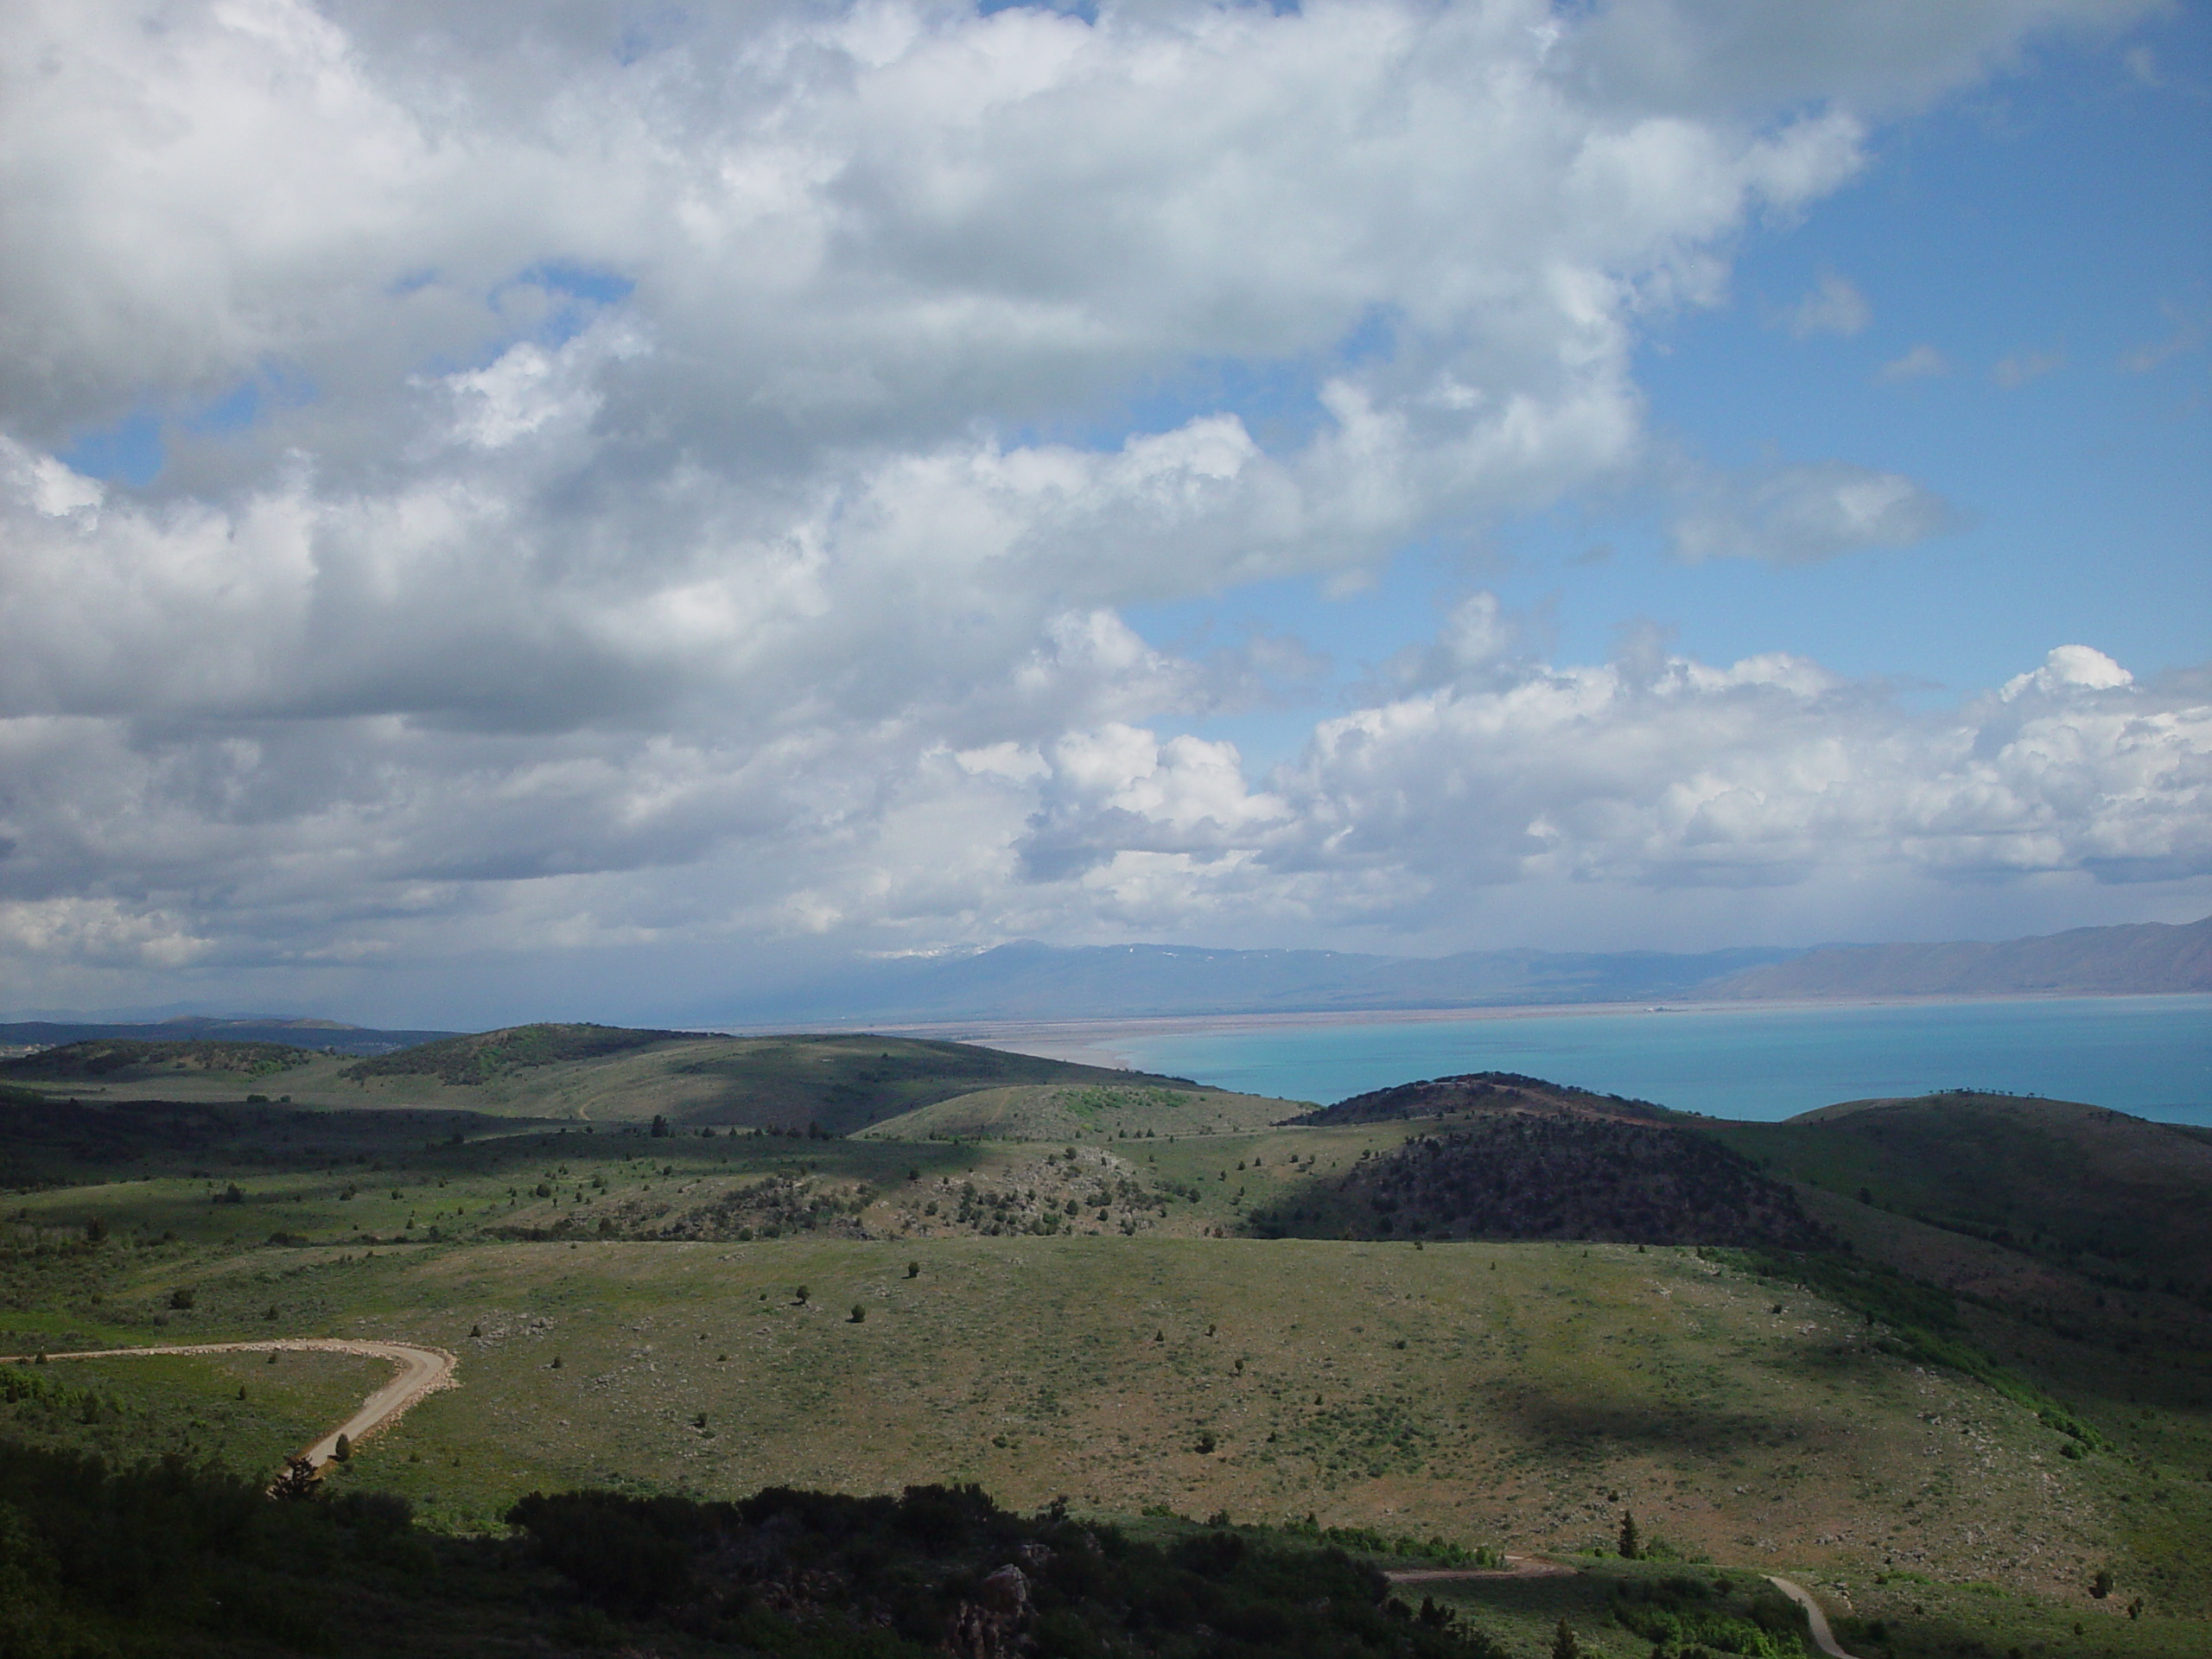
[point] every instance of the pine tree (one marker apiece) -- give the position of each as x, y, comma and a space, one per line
299, 1480
1564, 1646
1631, 1544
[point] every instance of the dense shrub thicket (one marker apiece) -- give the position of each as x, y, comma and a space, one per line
943, 1568
173, 1557
1684, 1616
1479, 1091
1520, 1174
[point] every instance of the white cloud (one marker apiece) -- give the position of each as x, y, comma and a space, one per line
2186, 335
1920, 363
1834, 306
1769, 772
667, 528
2066, 670
2016, 370
1802, 514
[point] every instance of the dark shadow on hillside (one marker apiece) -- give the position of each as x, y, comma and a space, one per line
1525, 1175
1589, 1424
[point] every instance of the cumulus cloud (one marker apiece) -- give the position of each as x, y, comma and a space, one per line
1651, 773
2188, 334
1802, 514
2015, 371
1771, 770
668, 483
1922, 362
1834, 306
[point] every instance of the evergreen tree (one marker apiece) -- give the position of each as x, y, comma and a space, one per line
1564, 1646
299, 1480
1631, 1545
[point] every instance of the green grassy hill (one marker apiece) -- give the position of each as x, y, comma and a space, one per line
837, 1083
1065, 1111
131, 1060
484, 1057
1948, 1433
2114, 1196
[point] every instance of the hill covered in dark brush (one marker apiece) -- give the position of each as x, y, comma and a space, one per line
1482, 1091
1520, 1174
103, 1059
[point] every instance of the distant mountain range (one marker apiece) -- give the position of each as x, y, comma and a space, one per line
1028, 981
2143, 956
1032, 982
299, 1033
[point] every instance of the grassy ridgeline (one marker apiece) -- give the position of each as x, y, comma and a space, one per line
838, 1083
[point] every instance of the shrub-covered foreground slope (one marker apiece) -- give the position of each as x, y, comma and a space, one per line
174, 1558
1512, 1394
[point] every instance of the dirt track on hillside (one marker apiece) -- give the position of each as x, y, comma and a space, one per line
1823, 1638
422, 1371
1516, 1567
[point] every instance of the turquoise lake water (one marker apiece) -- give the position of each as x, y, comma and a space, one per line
2149, 1055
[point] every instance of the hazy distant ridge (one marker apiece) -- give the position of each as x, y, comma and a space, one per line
2138, 958
1028, 981
298, 1033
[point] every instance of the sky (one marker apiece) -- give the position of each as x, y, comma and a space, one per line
595, 511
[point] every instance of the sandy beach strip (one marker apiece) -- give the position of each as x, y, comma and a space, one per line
1106, 1042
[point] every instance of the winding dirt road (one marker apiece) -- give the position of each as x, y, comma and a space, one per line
1535, 1567
421, 1371
1823, 1638
1516, 1567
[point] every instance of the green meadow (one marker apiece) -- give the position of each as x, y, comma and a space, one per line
1052, 1290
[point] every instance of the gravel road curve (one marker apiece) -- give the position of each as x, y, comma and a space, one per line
1823, 1638
421, 1371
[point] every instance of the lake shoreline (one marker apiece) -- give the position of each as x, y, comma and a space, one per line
1106, 1041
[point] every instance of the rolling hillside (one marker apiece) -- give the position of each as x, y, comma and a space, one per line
321, 1035
1069, 1111
2096, 1191
833, 1085
1503, 1156
129, 1060
1484, 1091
